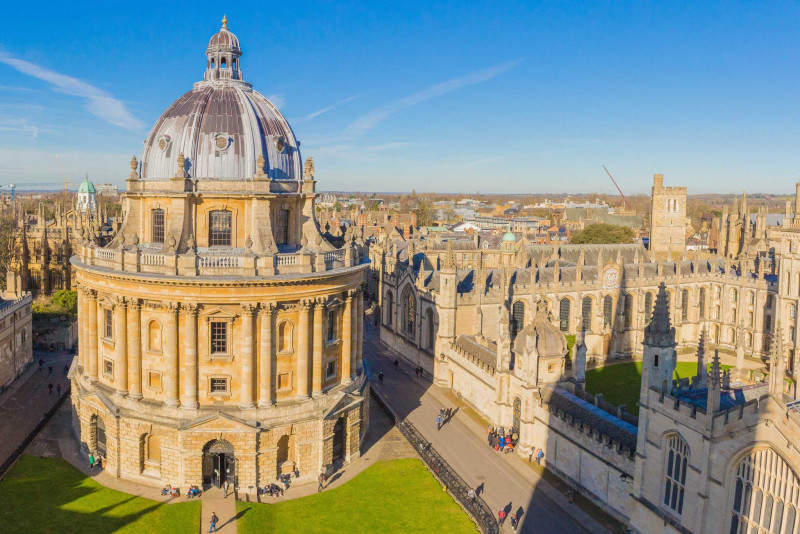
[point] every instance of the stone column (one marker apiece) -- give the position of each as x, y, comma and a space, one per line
189, 401
135, 349
121, 347
360, 330
265, 356
82, 336
302, 351
91, 296
353, 334
172, 372
347, 340
247, 398
316, 364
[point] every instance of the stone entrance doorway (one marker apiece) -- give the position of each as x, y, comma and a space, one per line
338, 440
101, 437
219, 463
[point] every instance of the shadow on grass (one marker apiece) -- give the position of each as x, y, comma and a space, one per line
47, 495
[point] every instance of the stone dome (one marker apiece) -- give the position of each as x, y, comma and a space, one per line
222, 127
86, 187
549, 341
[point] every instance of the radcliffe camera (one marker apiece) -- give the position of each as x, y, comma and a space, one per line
403, 268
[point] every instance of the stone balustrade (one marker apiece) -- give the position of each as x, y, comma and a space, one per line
138, 260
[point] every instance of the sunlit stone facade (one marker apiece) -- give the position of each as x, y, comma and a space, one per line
220, 333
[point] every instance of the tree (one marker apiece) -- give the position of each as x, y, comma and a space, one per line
337, 206
449, 213
424, 213
602, 234
68, 300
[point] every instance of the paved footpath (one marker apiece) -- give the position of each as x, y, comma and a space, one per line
26, 400
214, 501
504, 481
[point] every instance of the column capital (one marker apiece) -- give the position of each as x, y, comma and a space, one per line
171, 307
248, 309
88, 292
190, 308
305, 304
267, 307
133, 304
121, 301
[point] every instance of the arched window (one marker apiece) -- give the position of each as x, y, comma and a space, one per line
431, 327
648, 307
281, 229
285, 336
219, 228
517, 318
158, 225
749, 340
153, 449
563, 314
675, 473
685, 305
331, 324
733, 315
715, 334
389, 308
284, 452
409, 311
717, 292
751, 319
702, 303
213, 64
154, 336
769, 301
765, 495
751, 298
234, 64
628, 310
608, 311
223, 63
734, 295
586, 313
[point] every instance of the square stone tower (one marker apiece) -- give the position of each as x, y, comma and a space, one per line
667, 220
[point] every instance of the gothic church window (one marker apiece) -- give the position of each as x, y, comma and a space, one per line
675, 474
409, 310
765, 496
517, 318
628, 310
586, 313
702, 304
563, 314
608, 311
685, 305
648, 307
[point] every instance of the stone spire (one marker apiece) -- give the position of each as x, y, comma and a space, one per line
777, 363
714, 385
702, 367
659, 333
659, 355
449, 257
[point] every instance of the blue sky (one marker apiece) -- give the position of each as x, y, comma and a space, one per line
516, 97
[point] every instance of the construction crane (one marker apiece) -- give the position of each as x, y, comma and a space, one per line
66, 178
625, 200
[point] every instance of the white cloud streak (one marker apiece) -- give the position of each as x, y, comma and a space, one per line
314, 115
277, 100
19, 126
370, 120
98, 101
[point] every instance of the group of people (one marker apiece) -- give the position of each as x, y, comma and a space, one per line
445, 414
536, 454
168, 490
96, 461
499, 440
514, 518
194, 491
271, 490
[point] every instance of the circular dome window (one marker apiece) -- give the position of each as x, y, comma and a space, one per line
163, 142
280, 144
222, 141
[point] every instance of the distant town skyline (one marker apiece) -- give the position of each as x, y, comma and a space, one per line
523, 98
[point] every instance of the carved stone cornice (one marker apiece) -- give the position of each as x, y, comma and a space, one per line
190, 308
266, 308
134, 304
248, 309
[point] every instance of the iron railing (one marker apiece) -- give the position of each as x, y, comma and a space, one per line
446, 475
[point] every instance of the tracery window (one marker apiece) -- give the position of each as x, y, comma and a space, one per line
389, 308
648, 307
685, 305
219, 228
608, 311
765, 496
517, 318
563, 314
586, 313
628, 310
409, 311
675, 473
702, 303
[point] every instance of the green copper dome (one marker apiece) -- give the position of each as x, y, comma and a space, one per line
509, 236
86, 187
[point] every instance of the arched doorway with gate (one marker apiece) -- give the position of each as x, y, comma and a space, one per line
100, 437
219, 463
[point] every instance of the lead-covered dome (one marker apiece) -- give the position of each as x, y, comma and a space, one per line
222, 127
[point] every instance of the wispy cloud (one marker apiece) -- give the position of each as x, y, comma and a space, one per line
19, 126
98, 101
277, 100
369, 121
314, 115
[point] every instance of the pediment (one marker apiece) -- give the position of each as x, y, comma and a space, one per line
219, 422
218, 313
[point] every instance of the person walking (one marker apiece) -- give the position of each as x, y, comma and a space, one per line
471, 496
91, 461
214, 521
501, 517
514, 522
539, 456
225, 487
439, 422
321, 480
396, 364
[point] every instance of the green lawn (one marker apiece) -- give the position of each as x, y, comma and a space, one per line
620, 383
393, 496
49, 495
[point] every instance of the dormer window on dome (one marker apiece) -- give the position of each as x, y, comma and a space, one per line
222, 141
